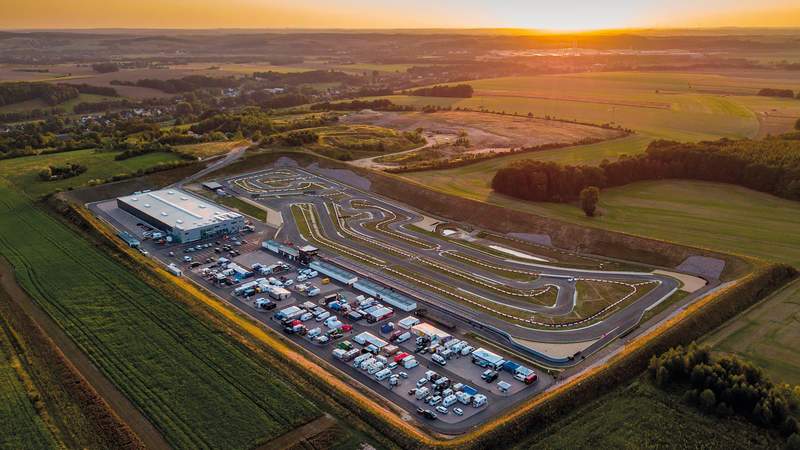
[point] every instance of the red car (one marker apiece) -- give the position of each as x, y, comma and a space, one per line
347, 328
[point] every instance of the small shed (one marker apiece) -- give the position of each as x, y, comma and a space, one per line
212, 186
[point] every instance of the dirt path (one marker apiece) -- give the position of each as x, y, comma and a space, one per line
294, 437
370, 163
151, 437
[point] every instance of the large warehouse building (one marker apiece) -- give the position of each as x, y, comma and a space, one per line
183, 216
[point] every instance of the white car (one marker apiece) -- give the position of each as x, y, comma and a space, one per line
458, 411
288, 283
322, 316
441, 409
421, 382
321, 339
187, 258
305, 317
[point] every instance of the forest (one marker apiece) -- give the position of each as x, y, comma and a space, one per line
771, 165
457, 91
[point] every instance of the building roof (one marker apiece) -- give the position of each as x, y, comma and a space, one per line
179, 209
213, 185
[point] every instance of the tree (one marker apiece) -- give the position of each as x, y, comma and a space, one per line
589, 198
708, 400
793, 443
797, 124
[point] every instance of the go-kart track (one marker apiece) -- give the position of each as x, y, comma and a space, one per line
526, 301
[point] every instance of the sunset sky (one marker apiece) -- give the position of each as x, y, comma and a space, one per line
534, 14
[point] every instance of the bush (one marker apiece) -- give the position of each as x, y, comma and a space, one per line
53, 173
106, 67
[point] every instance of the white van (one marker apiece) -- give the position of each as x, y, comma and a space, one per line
479, 400
403, 337
360, 359
366, 363
449, 400
439, 359
322, 316
467, 350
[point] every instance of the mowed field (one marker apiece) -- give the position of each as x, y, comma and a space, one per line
201, 389
767, 334
23, 172
641, 416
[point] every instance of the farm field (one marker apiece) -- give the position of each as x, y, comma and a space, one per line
20, 424
66, 106
23, 172
766, 334
181, 372
208, 149
641, 416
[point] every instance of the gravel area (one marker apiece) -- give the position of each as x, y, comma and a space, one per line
343, 175
541, 239
704, 266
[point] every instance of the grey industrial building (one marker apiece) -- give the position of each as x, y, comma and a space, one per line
183, 216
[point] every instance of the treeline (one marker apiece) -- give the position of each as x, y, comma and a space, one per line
294, 138
459, 91
134, 150
272, 101
106, 67
313, 76
185, 84
783, 93
51, 94
769, 165
96, 90
380, 104
726, 387
68, 170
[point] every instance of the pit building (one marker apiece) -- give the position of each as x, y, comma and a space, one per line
183, 216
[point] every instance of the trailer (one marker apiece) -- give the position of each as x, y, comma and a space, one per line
278, 293
430, 332
485, 358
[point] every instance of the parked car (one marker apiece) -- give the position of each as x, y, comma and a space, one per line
489, 375
458, 411
421, 382
441, 409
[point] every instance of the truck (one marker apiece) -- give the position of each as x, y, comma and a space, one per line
339, 353
312, 291
469, 390
410, 362
525, 375
422, 393
403, 337
382, 374
464, 398
400, 356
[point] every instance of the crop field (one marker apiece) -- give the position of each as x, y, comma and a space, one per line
767, 335
208, 149
183, 374
641, 416
21, 427
23, 172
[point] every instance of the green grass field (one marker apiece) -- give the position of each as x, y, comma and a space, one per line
23, 172
726, 218
640, 416
208, 149
767, 335
197, 386
21, 427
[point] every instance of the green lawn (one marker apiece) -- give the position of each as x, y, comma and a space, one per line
199, 387
641, 416
767, 335
21, 427
23, 172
